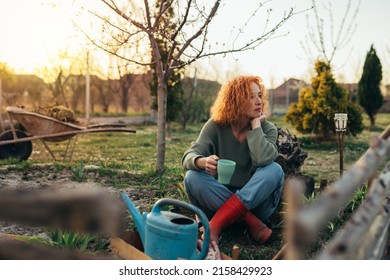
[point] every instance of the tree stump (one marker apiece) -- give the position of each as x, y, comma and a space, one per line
292, 157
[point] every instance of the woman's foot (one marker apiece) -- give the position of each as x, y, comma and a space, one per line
232, 210
257, 229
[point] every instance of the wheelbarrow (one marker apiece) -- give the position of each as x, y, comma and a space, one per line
18, 144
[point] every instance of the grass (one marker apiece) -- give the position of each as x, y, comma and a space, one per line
78, 172
112, 153
70, 240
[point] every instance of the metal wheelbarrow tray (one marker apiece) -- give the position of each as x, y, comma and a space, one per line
17, 144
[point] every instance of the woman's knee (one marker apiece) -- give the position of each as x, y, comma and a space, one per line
196, 175
190, 176
197, 179
277, 170
272, 172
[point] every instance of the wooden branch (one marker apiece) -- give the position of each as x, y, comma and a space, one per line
282, 252
359, 234
13, 249
293, 197
235, 252
127, 251
74, 210
377, 239
311, 219
386, 133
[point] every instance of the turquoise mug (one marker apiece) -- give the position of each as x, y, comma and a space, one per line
225, 170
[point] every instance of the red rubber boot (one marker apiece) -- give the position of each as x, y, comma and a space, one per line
232, 210
258, 230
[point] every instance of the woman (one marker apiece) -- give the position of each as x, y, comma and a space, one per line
238, 131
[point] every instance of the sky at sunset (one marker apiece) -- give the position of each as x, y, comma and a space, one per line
33, 30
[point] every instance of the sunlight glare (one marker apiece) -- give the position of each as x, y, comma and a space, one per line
33, 33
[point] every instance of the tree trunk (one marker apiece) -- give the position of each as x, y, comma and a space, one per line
169, 129
162, 93
125, 98
372, 120
183, 124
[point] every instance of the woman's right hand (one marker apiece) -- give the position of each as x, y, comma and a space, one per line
209, 164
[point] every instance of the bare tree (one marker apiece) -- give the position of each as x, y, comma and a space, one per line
59, 74
105, 97
324, 38
141, 26
126, 79
7, 79
188, 98
105, 83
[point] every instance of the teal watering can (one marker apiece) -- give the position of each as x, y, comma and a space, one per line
167, 235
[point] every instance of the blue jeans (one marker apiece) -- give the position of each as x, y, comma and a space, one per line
261, 194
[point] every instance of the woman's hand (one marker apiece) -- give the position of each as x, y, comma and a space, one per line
209, 164
256, 122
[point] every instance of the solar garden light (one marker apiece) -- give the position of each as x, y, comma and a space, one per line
340, 121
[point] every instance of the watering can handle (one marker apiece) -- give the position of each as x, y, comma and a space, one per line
203, 218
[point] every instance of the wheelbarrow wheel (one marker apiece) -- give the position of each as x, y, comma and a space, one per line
20, 151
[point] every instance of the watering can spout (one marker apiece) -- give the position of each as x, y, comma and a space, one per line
139, 220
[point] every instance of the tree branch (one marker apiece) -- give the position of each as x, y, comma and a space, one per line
115, 8
199, 32
248, 46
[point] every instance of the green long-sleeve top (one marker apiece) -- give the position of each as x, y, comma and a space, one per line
258, 149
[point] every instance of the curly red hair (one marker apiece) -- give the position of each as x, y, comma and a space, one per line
233, 99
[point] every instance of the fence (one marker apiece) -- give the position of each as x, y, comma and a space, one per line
366, 234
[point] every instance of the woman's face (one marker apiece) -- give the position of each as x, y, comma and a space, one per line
255, 102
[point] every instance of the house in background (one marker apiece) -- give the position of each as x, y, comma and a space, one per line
285, 94
282, 96
352, 89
